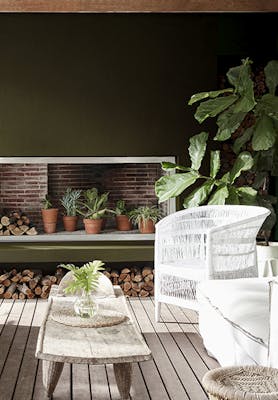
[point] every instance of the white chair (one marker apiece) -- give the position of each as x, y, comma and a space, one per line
238, 320
208, 242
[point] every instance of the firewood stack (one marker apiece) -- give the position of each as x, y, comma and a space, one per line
16, 223
27, 284
133, 281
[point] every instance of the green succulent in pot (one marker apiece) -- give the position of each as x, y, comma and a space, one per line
146, 217
49, 215
70, 203
122, 216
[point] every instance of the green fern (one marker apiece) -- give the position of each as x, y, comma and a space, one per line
84, 278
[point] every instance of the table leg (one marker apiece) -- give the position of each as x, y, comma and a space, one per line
123, 373
51, 372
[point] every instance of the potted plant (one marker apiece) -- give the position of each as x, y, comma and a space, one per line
250, 121
49, 216
93, 208
85, 280
70, 202
122, 216
145, 217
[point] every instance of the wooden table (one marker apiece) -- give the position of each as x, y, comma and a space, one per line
120, 345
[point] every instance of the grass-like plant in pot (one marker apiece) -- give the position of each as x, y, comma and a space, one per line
122, 216
84, 281
93, 209
49, 215
70, 203
145, 217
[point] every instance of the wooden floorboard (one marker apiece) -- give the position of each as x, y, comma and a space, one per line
175, 372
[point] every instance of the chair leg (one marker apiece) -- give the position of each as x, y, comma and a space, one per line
157, 308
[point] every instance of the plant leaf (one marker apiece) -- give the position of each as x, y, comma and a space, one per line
241, 140
228, 122
264, 134
271, 75
199, 195
244, 162
219, 196
173, 185
204, 95
240, 77
233, 196
268, 104
213, 107
274, 170
197, 149
169, 166
247, 195
214, 163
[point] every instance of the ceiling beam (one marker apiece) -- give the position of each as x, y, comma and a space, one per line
99, 6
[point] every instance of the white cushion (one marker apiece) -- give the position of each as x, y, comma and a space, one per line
244, 303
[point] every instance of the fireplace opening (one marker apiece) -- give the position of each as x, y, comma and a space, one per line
24, 182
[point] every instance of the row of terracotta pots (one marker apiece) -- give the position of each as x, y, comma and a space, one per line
50, 216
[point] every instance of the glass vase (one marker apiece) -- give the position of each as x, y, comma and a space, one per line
85, 305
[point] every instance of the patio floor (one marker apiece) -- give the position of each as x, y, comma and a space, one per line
178, 365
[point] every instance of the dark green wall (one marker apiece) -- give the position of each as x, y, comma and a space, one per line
102, 84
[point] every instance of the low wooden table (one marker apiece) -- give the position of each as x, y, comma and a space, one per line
120, 345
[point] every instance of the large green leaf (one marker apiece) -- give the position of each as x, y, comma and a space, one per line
240, 77
228, 122
197, 149
274, 170
214, 163
169, 166
247, 195
268, 104
204, 95
241, 140
199, 195
233, 196
264, 134
244, 162
173, 185
213, 107
271, 75
219, 196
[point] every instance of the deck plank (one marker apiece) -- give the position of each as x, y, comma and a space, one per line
175, 372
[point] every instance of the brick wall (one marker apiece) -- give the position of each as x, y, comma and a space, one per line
24, 185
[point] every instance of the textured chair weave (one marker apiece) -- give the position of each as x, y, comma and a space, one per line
208, 242
242, 383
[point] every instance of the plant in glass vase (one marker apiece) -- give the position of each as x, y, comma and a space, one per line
85, 280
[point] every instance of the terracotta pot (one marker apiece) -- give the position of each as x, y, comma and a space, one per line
49, 218
70, 223
92, 225
123, 223
147, 226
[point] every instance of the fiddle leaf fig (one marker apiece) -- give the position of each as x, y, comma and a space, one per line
219, 196
228, 122
199, 195
233, 197
204, 95
213, 107
264, 134
241, 140
271, 76
197, 149
214, 163
244, 162
247, 195
169, 166
173, 185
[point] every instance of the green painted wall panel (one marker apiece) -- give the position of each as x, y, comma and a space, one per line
102, 84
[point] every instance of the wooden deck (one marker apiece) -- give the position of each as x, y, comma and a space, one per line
178, 365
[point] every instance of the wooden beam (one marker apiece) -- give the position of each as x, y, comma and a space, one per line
99, 6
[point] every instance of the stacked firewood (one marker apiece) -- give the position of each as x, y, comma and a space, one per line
133, 281
16, 223
28, 284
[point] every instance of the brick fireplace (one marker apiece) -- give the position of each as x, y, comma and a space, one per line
24, 181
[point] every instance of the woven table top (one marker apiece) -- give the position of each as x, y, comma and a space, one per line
242, 383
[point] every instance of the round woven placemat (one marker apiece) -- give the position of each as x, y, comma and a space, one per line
242, 383
64, 313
